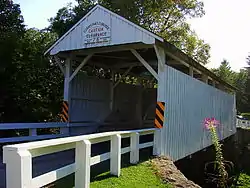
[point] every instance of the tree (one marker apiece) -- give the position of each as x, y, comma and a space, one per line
166, 18
236, 79
39, 81
12, 31
225, 73
248, 80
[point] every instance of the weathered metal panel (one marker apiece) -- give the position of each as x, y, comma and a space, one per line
90, 99
188, 102
126, 100
149, 97
115, 29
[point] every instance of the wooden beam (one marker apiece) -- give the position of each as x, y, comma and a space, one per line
66, 79
112, 91
204, 78
214, 83
191, 71
120, 65
160, 63
148, 67
125, 73
57, 60
84, 62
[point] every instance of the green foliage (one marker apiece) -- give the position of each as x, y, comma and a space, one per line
12, 31
38, 81
166, 18
246, 115
236, 79
219, 157
244, 181
224, 72
30, 85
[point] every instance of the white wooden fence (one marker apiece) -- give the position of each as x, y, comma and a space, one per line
32, 127
18, 158
242, 123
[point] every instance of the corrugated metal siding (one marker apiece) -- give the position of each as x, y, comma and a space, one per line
122, 32
188, 102
149, 98
127, 101
90, 99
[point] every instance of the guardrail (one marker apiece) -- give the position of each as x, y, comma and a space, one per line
18, 158
32, 127
242, 123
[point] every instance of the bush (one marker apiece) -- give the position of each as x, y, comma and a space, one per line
246, 115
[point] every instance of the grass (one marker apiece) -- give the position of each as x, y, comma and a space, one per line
244, 181
138, 176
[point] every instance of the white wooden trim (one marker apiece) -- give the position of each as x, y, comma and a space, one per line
148, 67
124, 74
84, 62
60, 39
191, 71
134, 153
18, 168
156, 150
53, 176
48, 150
54, 142
146, 145
100, 158
66, 79
115, 155
113, 14
18, 158
125, 150
161, 94
59, 64
160, 63
82, 159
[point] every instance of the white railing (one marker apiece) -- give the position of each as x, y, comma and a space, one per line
18, 158
32, 127
242, 123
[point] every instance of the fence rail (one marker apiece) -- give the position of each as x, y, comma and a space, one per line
32, 127
242, 123
18, 158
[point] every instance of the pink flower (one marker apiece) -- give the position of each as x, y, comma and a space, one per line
211, 123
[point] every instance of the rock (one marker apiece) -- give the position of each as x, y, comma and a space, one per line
169, 173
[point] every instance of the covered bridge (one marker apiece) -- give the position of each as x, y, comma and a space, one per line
120, 76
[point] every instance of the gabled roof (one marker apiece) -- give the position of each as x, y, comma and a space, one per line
117, 30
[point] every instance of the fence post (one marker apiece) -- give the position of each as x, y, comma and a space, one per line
134, 148
115, 155
32, 132
82, 161
157, 141
18, 168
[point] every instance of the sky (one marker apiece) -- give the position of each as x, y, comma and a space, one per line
225, 26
